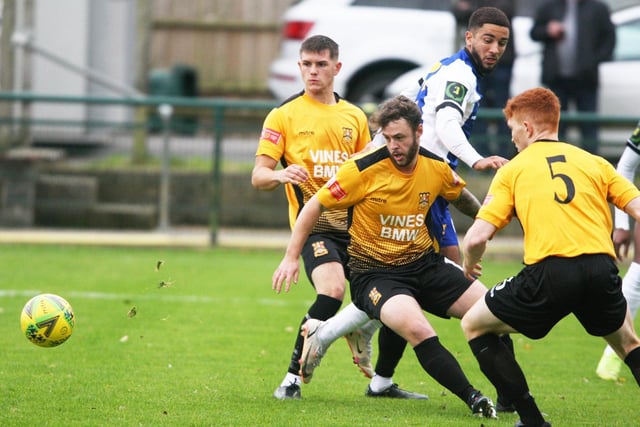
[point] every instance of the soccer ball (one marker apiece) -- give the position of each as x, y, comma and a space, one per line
47, 320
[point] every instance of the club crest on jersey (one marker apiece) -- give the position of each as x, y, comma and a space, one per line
319, 249
335, 189
347, 135
455, 91
270, 135
423, 201
375, 296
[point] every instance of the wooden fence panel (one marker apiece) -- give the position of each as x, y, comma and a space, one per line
230, 43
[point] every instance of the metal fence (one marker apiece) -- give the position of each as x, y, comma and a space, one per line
155, 162
165, 139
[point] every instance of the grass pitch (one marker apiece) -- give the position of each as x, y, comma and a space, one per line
210, 342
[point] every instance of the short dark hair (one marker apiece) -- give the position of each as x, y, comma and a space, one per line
399, 107
318, 44
488, 15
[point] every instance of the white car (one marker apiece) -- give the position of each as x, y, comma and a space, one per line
386, 46
619, 84
619, 78
379, 41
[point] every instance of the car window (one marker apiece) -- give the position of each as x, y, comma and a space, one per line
621, 4
406, 4
523, 7
627, 41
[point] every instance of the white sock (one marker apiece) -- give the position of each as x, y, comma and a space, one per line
346, 320
631, 288
371, 327
379, 383
290, 379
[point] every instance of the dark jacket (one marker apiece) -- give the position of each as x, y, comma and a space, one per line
596, 38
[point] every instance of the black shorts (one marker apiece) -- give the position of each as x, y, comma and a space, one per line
543, 293
435, 283
323, 248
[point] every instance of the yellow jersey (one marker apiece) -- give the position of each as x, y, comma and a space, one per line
388, 210
319, 137
560, 195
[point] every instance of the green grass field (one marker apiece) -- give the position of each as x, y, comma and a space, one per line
210, 349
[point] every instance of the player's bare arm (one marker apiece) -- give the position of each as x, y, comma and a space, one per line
621, 237
289, 268
467, 203
265, 176
633, 208
474, 245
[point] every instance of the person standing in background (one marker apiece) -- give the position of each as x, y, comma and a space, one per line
494, 86
577, 36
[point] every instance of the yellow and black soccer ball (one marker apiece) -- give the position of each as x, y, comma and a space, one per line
47, 320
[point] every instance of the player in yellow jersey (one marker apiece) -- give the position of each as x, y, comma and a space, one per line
560, 195
395, 271
311, 134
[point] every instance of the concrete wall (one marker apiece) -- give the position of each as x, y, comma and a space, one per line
129, 199
51, 195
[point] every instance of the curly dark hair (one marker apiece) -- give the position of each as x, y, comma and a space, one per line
400, 107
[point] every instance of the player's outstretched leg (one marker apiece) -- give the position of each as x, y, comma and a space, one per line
360, 345
323, 307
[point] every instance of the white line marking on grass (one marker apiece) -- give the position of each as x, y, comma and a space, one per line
170, 298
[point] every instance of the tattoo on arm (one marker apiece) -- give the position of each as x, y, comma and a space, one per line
467, 203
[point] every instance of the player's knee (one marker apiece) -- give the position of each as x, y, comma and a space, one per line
468, 329
333, 290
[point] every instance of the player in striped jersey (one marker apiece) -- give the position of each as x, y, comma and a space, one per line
395, 271
448, 99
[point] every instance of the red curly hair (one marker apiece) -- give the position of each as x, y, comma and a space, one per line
539, 106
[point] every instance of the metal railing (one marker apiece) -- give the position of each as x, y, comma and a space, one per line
215, 108
218, 110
